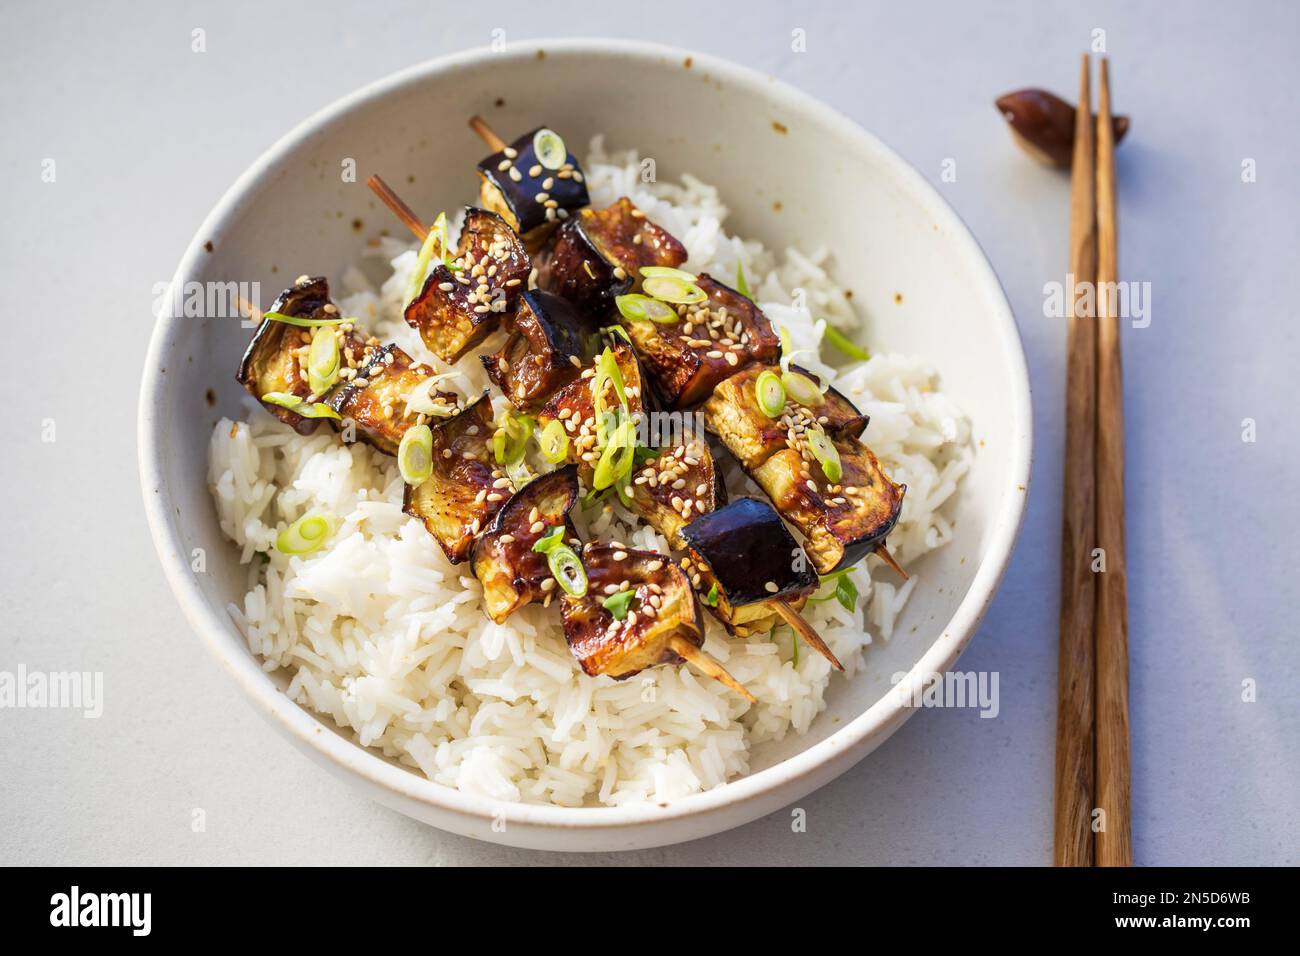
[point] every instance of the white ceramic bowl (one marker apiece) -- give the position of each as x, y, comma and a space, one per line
762, 143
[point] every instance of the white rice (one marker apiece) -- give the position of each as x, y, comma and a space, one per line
380, 633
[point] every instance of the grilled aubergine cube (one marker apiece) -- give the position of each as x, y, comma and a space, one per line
686, 360
530, 195
547, 349
379, 397
676, 486
662, 607
276, 358
461, 304
740, 559
733, 414
598, 253
575, 406
842, 521
467, 488
511, 572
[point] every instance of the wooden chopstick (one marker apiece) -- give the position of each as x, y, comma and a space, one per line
1074, 718
1114, 843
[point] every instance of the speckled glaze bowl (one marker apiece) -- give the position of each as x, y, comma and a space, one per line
769, 148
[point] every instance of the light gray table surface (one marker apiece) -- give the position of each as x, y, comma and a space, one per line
146, 135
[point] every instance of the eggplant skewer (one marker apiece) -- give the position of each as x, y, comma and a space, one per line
669, 491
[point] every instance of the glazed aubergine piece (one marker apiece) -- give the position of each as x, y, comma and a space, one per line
461, 304
733, 414
740, 559
550, 343
377, 398
511, 572
531, 195
598, 253
661, 611
276, 358
575, 406
687, 359
676, 485
842, 521
467, 488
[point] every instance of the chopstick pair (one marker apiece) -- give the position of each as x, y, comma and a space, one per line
1093, 794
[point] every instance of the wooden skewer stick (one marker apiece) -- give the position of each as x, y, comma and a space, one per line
805, 631
246, 307
485, 132
399, 208
694, 655
1074, 692
1114, 842
883, 553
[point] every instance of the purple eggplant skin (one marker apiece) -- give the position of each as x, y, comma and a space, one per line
511, 572
268, 364
847, 421
538, 358
518, 203
745, 545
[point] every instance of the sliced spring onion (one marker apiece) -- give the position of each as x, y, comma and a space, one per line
298, 406
437, 238
846, 592
623, 488
642, 308
618, 603
711, 599
607, 372
788, 351
305, 535
617, 458
845, 344
301, 322
827, 455
649, 272
617, 331
415, 455
675, 290
567, 570
510, 441
741, 285
550, 540
550, 149
802, 389
323, 360
770, 394
553, 440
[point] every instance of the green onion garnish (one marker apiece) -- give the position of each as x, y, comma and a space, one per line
607, 371
617, 331
711, 599
618, 604
301, 322
553, 440
305, 535
845, 344
617, 458
567, 570
770, 394
641, 308
802, 389
846, 592
415, 455
437, 237
741, 285
550, 149
827, 455
675, 290
299, 407
651, 272
323, 360
550, 540
510, 441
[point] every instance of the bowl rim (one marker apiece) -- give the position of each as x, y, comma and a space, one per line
866, 730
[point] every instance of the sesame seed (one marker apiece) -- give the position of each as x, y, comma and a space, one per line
506, 538
510, 152
537, 527
535, 170
548, 584
514, 174
771, 587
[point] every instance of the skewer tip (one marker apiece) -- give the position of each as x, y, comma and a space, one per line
805, 631
479, 125
882, 552
694, 655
